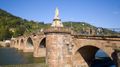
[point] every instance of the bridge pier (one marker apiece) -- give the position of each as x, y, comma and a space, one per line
38, 52
12, 43
56, 47
16, 44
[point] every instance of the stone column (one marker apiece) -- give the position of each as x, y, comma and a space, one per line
12, 43
55, 43
36, 46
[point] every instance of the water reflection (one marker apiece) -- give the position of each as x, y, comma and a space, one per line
13, 56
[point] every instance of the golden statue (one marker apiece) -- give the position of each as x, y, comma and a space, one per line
57, 22
56, 13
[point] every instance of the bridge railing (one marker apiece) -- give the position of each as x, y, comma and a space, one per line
88, 31
98, 32
57, 30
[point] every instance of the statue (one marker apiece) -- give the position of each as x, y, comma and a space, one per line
57, 21
56, 14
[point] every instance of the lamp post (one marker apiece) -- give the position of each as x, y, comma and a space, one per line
83, 29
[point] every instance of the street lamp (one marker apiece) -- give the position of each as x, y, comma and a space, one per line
83, 28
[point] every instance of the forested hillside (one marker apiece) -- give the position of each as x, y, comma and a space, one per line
13, 26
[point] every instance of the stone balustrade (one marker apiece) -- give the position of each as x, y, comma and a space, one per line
57, 30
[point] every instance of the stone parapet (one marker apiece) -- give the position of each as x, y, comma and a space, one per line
57, 30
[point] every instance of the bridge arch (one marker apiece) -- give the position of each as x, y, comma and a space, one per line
42, 43
21, 41
40, 48
21, 44
86, 54
17, 42
101, 44
29, 42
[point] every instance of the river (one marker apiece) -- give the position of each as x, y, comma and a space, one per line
10, 56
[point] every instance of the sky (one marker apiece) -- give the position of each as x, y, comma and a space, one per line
100, 13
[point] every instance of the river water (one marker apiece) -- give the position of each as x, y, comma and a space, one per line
10, 56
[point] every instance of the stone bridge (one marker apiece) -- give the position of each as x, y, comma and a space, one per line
65, 48
62, 48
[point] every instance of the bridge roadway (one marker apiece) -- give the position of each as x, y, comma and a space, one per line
64, 49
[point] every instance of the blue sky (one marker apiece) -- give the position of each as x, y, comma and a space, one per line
101, 13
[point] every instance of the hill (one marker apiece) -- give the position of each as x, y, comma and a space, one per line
13, 26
